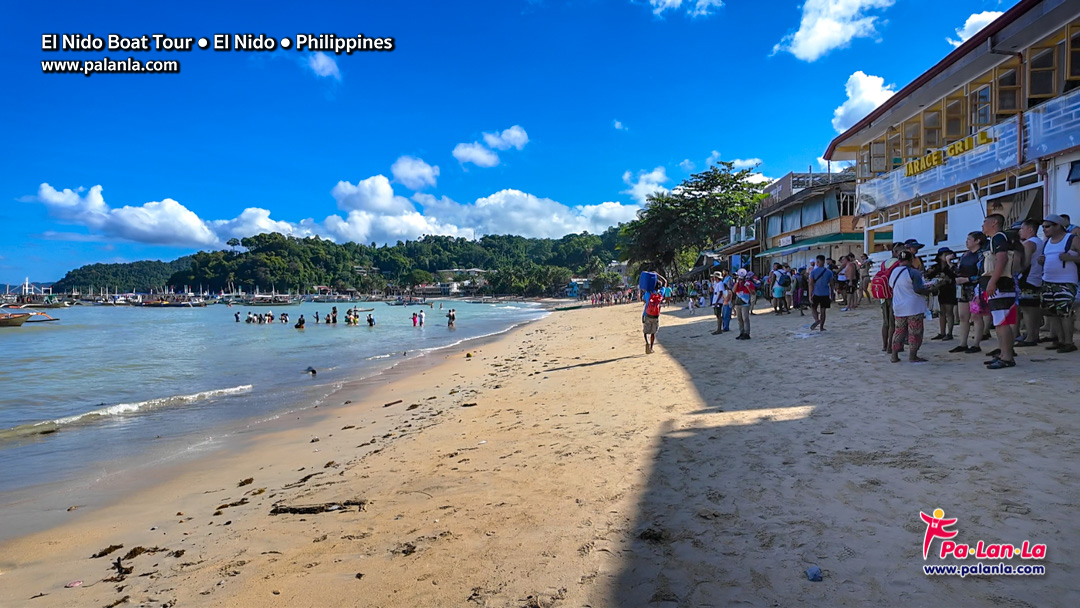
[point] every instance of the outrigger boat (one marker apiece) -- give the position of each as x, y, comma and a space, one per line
17, 319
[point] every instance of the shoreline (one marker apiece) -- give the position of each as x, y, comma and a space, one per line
35, 508
562, 466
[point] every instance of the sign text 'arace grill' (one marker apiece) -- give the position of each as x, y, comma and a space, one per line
938, 157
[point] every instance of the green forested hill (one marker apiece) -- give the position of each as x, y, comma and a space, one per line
273, 261
133, 276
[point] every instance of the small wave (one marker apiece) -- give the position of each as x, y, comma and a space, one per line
51, 426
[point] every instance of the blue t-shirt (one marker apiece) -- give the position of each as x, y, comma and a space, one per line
822, 277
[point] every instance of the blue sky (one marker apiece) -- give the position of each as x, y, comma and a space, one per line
534, 117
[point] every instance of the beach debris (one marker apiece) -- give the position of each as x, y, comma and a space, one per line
177, 553
329, 464
34, 597
235, 503
392, 403
405, 549
106, 551
71, 585
347, 402
328, 507
813, 573
302, 480
72, 508
311, 370
315, 440
137, 551
412, 407
359, 575
246, 482
121, 571
348, 426
471, 404
255, 492
122, 600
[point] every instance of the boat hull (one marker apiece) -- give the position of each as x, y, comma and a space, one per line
14, 320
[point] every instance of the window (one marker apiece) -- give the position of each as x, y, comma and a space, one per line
981, 116
912, 141
1042, 72
895, 148
1074, 172
955, 126
932, 127
877, 157
864, 162
1072, 50
1008, 90
941, 227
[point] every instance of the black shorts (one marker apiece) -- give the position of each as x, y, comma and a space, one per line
822, 301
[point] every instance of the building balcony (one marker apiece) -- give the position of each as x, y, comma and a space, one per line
1048, 129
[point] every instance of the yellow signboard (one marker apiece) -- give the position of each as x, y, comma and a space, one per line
938, 157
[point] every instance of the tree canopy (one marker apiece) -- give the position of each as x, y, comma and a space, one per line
692, 217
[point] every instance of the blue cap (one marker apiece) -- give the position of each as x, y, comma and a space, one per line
944, 250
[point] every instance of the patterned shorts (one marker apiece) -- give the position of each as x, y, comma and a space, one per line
1003, 308
1057, 298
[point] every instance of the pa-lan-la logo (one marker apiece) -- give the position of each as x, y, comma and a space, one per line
936, 525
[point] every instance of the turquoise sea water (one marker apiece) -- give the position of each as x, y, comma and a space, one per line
107, 384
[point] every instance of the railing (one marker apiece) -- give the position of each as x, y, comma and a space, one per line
1053, 126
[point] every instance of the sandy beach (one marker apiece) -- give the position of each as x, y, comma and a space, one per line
561, 466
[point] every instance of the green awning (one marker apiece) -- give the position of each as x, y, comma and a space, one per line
842, 237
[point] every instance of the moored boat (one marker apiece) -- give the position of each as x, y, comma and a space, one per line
13, 320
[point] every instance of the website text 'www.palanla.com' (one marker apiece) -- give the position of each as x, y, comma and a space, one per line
110, 66
980, 568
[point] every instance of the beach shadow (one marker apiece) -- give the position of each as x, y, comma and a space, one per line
592, 363
804, 454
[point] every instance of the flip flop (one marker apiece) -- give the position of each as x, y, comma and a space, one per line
1001, 364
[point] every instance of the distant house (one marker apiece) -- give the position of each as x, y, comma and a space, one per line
365, 271
576, 287
438, 289
472, 272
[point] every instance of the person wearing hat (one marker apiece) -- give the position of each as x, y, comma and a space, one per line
909, 307
942, 272
1061, 252
744, 290
913, 245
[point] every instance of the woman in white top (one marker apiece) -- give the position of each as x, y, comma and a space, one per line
909, 308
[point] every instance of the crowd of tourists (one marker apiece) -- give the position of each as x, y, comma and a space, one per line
1008, 281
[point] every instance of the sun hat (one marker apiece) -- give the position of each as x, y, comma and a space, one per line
742, 272
944, 250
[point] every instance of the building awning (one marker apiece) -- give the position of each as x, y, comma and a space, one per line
739, 247
828, 239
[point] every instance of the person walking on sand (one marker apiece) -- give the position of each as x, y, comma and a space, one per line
820, 301
909, 308
744, 290
716, 291
650, 320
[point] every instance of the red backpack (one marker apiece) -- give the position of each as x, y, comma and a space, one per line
879, 285
652, 309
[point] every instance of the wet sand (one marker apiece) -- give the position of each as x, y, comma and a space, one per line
561, 466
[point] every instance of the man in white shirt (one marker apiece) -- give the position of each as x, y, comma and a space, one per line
716, 291
909, 308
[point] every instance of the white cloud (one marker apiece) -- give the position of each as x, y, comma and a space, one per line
645, 184
837, 165
831, 24
373, 212
713, 159
515, 137
687, 164
864, 93
619, 126
476, 154
324, 65
695, 8
374, 194
758, 178
974, 23
414, 173
745, 163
